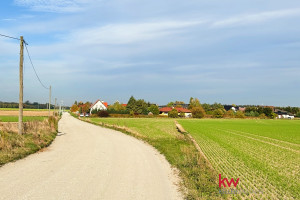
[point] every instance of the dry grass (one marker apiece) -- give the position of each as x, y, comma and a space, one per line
37, 135
25, 113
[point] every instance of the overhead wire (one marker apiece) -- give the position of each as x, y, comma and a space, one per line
9, 37
34, 67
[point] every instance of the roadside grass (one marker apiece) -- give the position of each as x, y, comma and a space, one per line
38, 134
198, 179
25, 118
264, 154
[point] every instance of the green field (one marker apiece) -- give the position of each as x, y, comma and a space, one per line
264, 154
25, 118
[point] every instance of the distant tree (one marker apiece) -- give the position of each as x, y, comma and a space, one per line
262, 116
116, 106
154, 109
239, 114
74, 108
268, 111
173, 113
194, 103
273, 116
230, 113
298, 114
141, 107
76, 103
170, 104
198, 112
131, 105
86, 107
218, 113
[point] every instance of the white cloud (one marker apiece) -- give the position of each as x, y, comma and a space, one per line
256, 18
130, 33
54, 5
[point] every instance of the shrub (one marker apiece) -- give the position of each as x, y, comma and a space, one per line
154, 109
262, 116
273, 116
103, 113
218, 113
252, 114
182, 114
239, 114
298, 114
229, 113
198, 112
173, 113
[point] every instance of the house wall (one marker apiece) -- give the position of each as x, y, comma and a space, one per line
98, 106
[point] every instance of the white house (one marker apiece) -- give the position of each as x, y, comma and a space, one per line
284, 115
99, 105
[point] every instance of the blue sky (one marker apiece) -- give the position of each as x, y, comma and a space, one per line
241, 52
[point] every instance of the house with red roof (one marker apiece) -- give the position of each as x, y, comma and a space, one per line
166, 110
98, 105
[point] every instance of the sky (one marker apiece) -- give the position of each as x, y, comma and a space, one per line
230, 52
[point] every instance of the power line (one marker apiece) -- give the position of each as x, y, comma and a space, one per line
34, 68
9, 37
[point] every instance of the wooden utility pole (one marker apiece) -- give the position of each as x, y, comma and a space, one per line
21, 87
55, 107
49, 100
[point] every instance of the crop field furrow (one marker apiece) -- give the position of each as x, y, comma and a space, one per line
229, 166
276, 159
264, 154
293, 145
260, 140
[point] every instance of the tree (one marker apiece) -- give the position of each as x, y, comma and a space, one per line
131, 104
198, 112
298, 114
194, 103
170, 104
74, 108
154, 109
239, 114
173, 113
229, 113
141, 107
218, 113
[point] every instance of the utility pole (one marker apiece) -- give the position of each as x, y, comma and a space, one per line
55, 106
49, 100
21, 86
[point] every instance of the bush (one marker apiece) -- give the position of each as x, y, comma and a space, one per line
252, 114
298, 114
182, 114
262, 116
173, 113
198, 112
103, 113
218, 113
273, 116
239, 114
229, 113
154, 109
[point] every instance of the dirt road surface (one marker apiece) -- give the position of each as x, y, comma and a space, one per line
89, 162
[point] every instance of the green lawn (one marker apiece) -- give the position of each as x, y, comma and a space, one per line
264, 154
198, 178
25, 118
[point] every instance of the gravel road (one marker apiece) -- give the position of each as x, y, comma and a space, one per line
89, 162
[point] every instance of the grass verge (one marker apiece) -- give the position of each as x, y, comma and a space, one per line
25, 118
38, 134
198, 179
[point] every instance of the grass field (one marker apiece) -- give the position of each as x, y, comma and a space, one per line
198, 178
25, 118
264, 154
